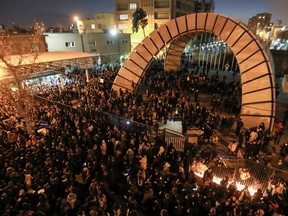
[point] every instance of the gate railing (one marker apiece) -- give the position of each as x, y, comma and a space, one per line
170, 137
245, 172
178, 140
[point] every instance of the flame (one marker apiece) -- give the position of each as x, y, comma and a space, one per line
239, 186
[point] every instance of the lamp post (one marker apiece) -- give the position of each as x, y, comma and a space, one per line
76, 18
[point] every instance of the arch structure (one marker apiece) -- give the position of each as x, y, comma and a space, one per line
257, 74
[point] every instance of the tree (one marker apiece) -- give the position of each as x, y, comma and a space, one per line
139, 20
15, 67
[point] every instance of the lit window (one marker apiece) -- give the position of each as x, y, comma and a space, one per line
122, 26
161, 15
133, 6
123, 17
93, 26
70, 44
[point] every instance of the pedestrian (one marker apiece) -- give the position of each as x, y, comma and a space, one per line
278, 132
232, 147
223, 124
214, 138
240, 124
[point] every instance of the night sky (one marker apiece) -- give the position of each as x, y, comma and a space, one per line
61, 12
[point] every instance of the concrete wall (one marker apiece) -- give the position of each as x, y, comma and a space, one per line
57, 42
110, 47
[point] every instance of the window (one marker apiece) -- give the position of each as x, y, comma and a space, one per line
99, 26
110, 42
100, 17
93, 26
122, 6
147, 3
125, 41
161, 15
133, 6
122, 26
123, 17
92, 43
162, 4
70, 44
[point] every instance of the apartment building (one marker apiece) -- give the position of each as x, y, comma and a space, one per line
158, 12
204, 6
102, 23
259, 22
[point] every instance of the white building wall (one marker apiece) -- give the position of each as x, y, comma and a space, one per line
67, 42
110, 47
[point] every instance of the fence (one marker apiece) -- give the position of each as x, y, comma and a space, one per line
245, 172
178, 140
169, 136
249, 173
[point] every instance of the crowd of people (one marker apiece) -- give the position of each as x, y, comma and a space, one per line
78, 165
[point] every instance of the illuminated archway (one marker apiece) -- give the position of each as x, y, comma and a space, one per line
257, 79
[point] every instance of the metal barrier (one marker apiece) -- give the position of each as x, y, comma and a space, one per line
170, 137
178, 140
249, 173
245, 172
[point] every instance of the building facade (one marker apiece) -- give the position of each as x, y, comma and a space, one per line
260, 23
158, 13
204, 6
102, 23
67, 42
110, 47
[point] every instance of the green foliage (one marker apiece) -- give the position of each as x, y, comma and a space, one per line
139, 20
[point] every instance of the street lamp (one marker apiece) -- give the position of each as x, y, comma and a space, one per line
113, 31
76, 18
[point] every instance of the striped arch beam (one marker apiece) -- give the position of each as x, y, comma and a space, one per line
257, 79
